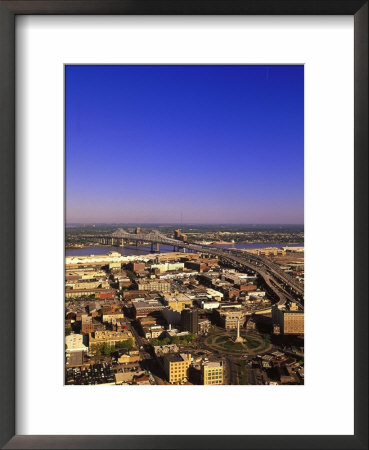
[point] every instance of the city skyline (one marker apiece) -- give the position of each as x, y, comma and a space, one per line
189, 223
185, 144
190, 306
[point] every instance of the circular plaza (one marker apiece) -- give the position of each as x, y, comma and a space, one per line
223, 341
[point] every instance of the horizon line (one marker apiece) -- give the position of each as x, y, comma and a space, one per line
178, 223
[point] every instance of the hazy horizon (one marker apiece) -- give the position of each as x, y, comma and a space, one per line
189, 223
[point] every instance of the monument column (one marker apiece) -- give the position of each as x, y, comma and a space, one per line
239, 338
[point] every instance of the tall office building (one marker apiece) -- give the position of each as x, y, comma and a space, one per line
190, 320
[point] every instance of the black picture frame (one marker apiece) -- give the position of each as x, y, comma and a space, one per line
8, 12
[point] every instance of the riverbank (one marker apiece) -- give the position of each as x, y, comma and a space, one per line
145, 249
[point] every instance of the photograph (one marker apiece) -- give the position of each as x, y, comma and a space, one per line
184, 225
164, 166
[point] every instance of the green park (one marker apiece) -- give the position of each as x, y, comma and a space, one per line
224, 341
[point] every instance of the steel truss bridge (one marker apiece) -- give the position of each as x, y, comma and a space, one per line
280, 283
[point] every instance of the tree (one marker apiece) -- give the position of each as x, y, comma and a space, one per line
103, 349
191, 337
175, 340
131, 275
128, 344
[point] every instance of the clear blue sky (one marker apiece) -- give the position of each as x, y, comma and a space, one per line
191, 144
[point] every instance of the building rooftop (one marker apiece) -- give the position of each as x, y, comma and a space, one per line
75, 359
213, 364
147, 304
177, 357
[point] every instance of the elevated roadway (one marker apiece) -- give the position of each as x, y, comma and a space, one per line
284, 287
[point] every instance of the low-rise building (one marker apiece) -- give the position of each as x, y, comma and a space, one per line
228, 318
75, 343
141, 380
86, 284
207, 304
213, 294
134, 295
177, 302
212, 373
153, 285
153, 331
204, 325
196, 265
256, 294
176, 367
137, 266
128, 377
108, 337
87, 325
129, 357
250, 324
294, 249
142, 308
248, 287
287, 321
161, 350
147, 321
112, 316
166, 267
105, 294
269, 251
74, 359
174, 332
94, 307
